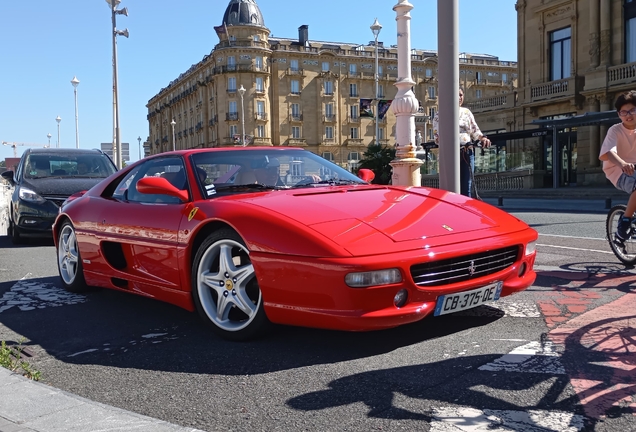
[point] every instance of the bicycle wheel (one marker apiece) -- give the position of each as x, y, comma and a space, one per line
625, 251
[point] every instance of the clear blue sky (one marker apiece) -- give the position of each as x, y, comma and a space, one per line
47, 43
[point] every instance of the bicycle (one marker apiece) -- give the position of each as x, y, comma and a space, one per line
625, 250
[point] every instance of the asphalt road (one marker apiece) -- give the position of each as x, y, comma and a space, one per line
523, 363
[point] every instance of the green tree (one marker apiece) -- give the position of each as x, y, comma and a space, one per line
377, 159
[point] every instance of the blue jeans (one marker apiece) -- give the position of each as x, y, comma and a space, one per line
466, 170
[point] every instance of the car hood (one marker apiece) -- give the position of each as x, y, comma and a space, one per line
402, 214
65, 186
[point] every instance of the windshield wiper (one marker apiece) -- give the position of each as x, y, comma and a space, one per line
331, 182
247, 186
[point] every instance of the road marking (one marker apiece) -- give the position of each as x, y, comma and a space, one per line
572, 237
533, 357
576, 249
29, 294
471, 420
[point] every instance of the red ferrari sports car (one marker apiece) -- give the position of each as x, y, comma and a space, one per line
252, 236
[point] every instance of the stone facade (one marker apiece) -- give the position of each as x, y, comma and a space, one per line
300, 92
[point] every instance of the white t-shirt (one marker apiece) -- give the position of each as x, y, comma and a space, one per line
622, 141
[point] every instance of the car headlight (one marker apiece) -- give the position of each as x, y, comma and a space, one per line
28, 195
531, 248
373, 278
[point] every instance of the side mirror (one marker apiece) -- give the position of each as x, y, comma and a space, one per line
8, 176
160, 186
366, 174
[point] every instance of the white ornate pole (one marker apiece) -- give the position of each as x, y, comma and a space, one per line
406, 166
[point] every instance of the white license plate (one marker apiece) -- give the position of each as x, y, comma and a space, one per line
467, 299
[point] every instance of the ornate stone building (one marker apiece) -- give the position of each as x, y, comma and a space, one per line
300, 92
574, 57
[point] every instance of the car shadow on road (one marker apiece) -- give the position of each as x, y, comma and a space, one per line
6, 243
123, 330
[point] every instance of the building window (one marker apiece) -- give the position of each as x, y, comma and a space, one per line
560, 54
260, 109
295, 111
380, 91
429, 73
325, 66
295, 87
354, 111
353, 90
381, 133
260, 131
328, 156
329, 132
431, 113
231, 62
354, 133
293, 65
478, 94
504, 78
231, 84
260, 87
329, 110
328, 87
257, 38
233, 110
353, 68
630, 31
233, 130
431, 92
296, 132
258, 62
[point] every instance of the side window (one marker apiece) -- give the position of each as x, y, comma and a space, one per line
171, 168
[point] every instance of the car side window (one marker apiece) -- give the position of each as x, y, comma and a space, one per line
170, 168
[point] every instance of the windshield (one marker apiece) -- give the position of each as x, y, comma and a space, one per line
53, 165
275, 169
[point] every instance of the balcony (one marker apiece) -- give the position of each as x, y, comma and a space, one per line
354, 94
297, 142
354, 141
329, 118
329, 141
622, 74
492, 103
262, 141
261, 116
327, 94
233, 116
242, 43
294, 118
553, 90
295, 72
295, 93
353, 119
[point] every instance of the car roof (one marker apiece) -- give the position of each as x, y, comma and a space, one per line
63, 151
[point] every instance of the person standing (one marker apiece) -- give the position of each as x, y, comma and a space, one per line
468, 132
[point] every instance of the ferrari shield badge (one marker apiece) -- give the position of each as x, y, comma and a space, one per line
192, 213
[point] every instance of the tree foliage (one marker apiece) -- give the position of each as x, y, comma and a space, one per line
377, 158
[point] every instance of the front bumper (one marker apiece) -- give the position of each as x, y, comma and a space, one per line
34, 219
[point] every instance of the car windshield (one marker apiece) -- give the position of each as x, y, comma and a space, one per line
54, 165
235, 170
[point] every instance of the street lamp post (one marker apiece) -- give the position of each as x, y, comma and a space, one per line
139, 139
375, 28
116, 132
75, 83
172, 123
58, 119
48, 135
241, 91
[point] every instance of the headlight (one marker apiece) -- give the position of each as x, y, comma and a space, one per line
531, 248
28, 195
373, 278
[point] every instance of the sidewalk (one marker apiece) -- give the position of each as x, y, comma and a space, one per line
28, 406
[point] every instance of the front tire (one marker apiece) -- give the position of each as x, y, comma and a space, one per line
225, 289
13, 232
624, 251
69, 262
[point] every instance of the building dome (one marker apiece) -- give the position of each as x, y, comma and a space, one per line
243, 12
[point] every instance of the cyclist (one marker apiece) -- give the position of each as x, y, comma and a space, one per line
618, 154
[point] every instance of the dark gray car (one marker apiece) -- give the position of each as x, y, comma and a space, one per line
44, 179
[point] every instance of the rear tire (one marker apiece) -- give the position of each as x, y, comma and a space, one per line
69, 261
624, 251
225, 289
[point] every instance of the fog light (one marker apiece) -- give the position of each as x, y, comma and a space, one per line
400, 298
522, 269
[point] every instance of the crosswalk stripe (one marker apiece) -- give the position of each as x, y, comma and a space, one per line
29, 295
533, 357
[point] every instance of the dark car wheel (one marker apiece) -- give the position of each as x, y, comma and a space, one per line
69, 263
225, 289
13, 232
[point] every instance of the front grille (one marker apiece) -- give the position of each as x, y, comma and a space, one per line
57, 200
464, 268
